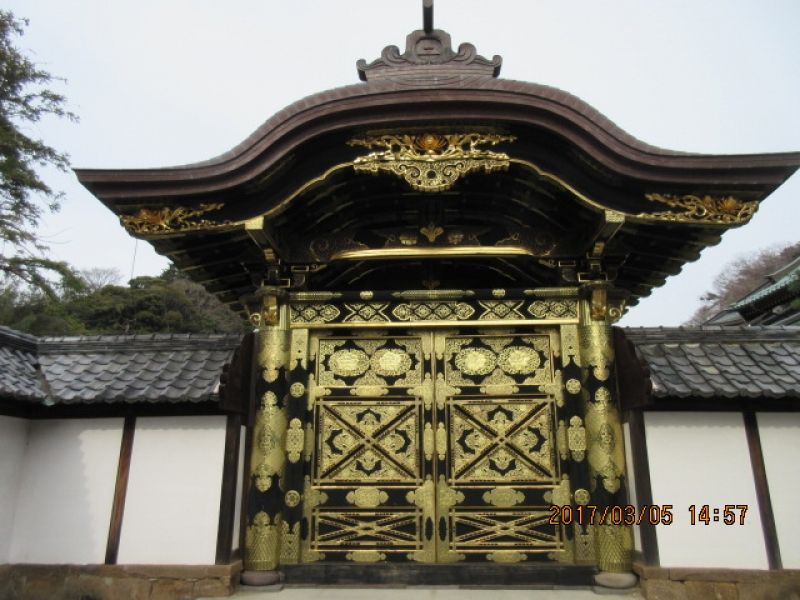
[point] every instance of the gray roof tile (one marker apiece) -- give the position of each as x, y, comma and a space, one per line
728, 362
112, 369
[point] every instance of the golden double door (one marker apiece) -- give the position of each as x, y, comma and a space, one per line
432, 446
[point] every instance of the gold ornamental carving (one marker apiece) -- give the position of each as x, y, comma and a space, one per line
171, 219
268, 454
367, 497
431, 231
475, 361
503, 497
519, 360
614, 548
365, 556
573, 386
576, 438
349, 363
506, 556
565, 308
261, 544
431, 162
390, 362
292, 498
724, 210
290, 543
295, 440
561, 495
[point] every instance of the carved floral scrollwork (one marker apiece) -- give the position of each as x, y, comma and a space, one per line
725, 210
431, 162
171, 219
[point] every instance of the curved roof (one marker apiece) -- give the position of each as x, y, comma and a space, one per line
231, 222
383, 103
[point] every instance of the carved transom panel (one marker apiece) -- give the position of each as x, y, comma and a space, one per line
506, 361
356, 362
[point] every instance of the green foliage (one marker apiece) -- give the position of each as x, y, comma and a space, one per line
166, 304
741, 277
24, 100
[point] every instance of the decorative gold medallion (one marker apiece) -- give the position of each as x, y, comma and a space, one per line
292, 498
503, 497
295, 440
576, 438
349, 363
367, 497
366, 556
506, 556
475, 361
519, 360
602, 395
573, 386
390, 362
582, 496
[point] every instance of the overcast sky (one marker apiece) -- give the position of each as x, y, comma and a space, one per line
164, 82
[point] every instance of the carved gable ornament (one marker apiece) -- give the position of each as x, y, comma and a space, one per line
429, 59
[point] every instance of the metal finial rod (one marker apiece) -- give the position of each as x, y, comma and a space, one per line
427, 15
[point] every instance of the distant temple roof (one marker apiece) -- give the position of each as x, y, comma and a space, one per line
775, 302
745, 363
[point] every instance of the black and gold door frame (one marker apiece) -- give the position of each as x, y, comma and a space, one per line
435, 430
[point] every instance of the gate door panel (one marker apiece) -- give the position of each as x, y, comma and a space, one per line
432, 447
500, 455
369, 419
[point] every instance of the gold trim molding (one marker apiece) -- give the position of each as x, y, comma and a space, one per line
431, 162
431, 252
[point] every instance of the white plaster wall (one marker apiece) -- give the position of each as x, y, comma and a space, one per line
13, 442
172, 505
780, 444
637, 534
703, 458
66, 491
237, 512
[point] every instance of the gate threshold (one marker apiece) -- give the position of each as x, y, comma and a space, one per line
463, 574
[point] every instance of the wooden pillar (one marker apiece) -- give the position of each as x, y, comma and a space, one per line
265, 482
613, 543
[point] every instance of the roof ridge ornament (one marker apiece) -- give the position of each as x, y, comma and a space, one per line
429, 58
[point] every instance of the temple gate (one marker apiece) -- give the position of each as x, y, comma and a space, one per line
433, 260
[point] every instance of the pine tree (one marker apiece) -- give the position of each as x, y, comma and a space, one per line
25, 98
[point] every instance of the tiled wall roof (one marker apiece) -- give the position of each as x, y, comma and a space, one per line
723, 362
700, 362
112, 369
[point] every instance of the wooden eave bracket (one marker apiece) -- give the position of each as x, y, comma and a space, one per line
612, 223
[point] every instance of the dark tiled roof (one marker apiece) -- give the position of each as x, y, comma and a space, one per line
701, 362
722, 362
113, 369
19, 374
